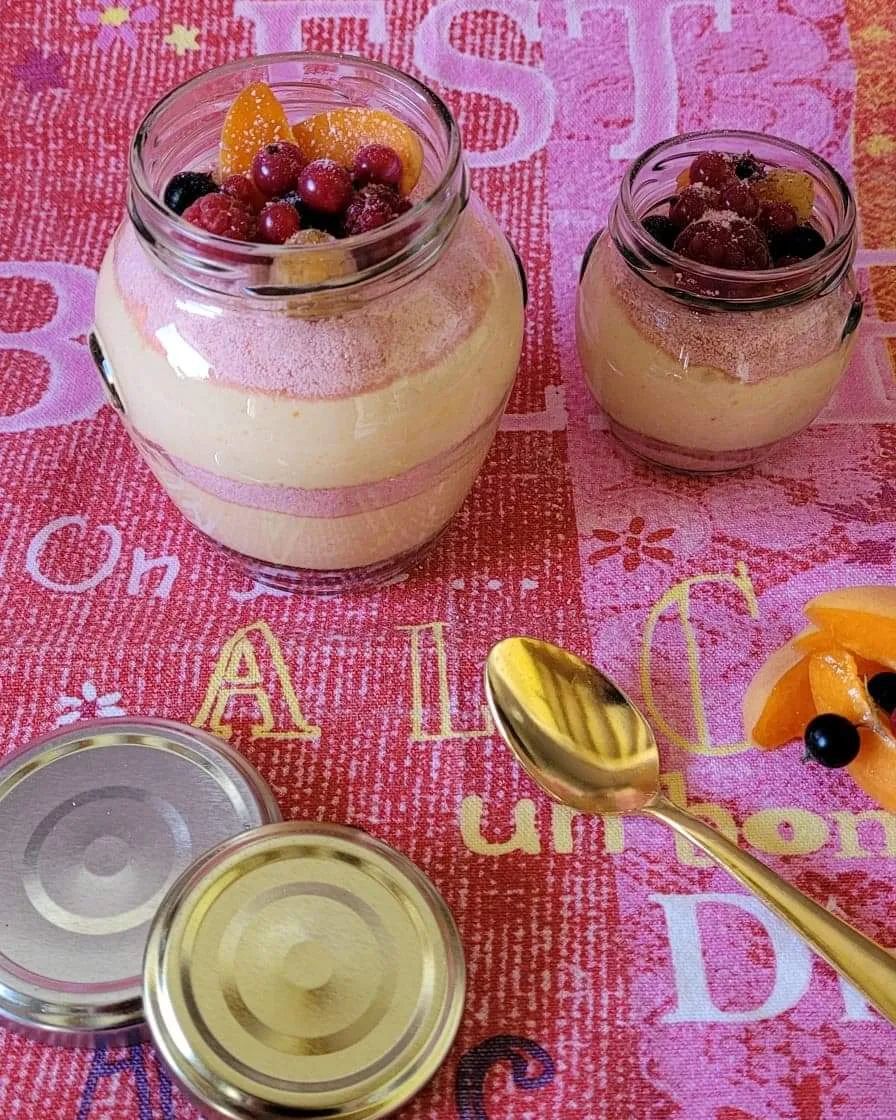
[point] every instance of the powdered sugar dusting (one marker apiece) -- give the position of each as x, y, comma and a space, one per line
395, 335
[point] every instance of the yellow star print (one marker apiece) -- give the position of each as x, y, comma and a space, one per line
182, 38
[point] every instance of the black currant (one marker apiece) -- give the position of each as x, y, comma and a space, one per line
832, 740
183, 190
802, 241
747, 166
661, 229
882, 690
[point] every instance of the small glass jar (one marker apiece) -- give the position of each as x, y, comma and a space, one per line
707, 369
321, 411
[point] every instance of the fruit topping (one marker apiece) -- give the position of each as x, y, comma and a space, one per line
254, 119
222, 214
793, 187
777, 217
275, 168
277, 222
732, 212
747, 166
661, 228
712, 168
832, 740
801, 243
184, 189
377, 163
341, 134
843, 666
308, 266
692, 203
740, 199
723, 240
372, 207
882, 690
242, 187
325, 186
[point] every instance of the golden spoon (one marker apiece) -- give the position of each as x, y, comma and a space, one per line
589, 747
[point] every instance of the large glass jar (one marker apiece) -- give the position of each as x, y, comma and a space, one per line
321, 411
707, 369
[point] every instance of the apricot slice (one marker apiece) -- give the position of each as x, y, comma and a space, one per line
254, 119
341, 133
874, 770
794, 187
778, 703
837, 686
859, 619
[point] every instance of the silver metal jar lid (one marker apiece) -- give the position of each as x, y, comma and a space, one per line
303, 970
96, 823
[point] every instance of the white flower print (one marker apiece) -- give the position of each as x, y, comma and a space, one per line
73, 707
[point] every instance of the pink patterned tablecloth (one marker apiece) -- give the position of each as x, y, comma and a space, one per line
613, 975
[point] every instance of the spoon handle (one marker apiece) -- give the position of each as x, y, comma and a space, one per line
867, 966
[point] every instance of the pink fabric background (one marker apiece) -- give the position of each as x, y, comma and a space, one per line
585, 966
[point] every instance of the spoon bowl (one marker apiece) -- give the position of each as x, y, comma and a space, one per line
580, 738
574, 732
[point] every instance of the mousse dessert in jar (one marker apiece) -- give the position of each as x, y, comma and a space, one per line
308, 322
717, 311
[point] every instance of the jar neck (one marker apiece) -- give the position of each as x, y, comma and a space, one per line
651, 181
182, 131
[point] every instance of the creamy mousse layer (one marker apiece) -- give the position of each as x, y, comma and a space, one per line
329, 443
703, 381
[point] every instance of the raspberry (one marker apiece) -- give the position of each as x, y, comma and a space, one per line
325, 186
377, 163
224, 215
242, 187
731, 243
372, 207
692, 203
712, 168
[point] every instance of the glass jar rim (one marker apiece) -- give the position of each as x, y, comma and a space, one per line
254, 252
833, 258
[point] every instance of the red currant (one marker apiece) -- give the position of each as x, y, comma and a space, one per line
277, 222
377, 163
325, 186
276, 167
740, 200
777, 217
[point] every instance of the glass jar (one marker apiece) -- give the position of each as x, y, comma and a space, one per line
320, 411
707, 369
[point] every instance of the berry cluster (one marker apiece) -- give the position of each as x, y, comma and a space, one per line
283, 192
733, 212
833, 740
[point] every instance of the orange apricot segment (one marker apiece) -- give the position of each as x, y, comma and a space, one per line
254, 119
860, 619
837, 687
778, 703
341, 133
874, 770
797, 188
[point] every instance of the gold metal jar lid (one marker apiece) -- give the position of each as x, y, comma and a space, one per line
303, 970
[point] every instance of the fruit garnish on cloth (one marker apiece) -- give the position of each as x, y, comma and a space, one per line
733, 212
834, 684
341, 173
341, 134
